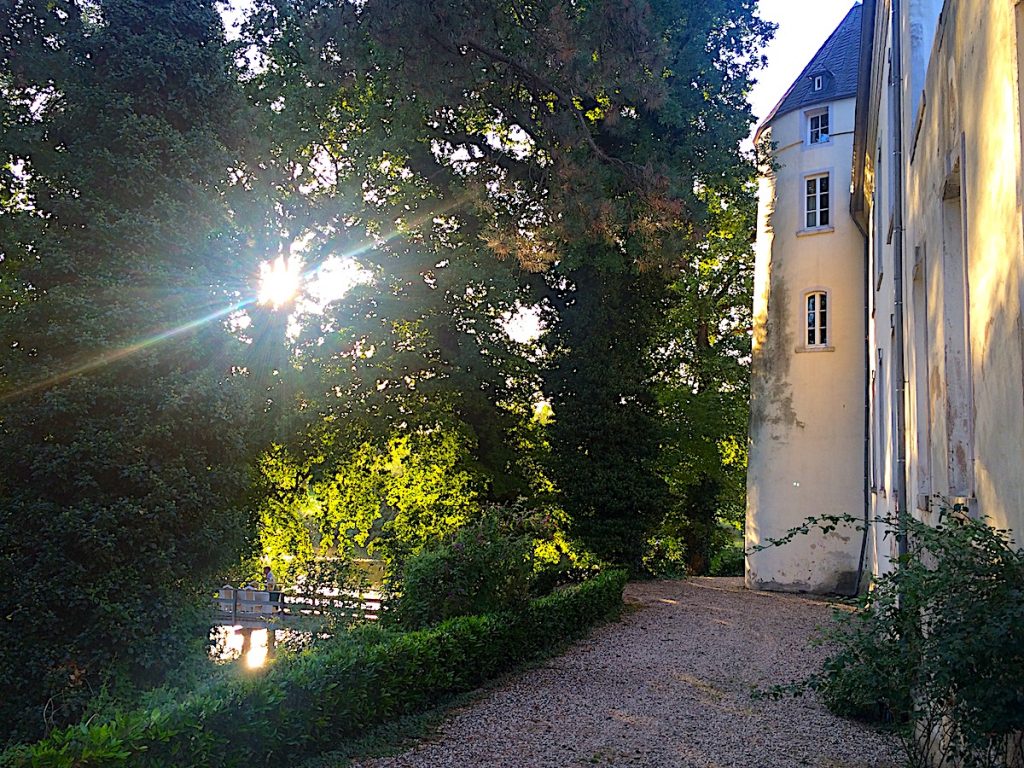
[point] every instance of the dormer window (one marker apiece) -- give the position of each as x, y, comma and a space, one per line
819, 82
817, 126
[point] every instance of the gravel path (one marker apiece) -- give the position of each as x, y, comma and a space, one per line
667, 686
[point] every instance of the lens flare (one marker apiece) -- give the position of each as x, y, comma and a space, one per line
280, 281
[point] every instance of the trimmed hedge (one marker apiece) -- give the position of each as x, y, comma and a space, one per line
305, 705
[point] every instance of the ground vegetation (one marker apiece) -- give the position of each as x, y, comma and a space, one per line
933, 649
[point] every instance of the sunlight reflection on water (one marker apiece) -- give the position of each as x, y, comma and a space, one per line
228, 643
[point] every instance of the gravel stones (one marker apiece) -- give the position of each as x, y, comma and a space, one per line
667, 686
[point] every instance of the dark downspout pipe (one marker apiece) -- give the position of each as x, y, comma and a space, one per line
857, 207
898, 362
867, 415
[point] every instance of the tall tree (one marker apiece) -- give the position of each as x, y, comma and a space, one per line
572, 133
125, 420
421, 342
606, 434
702, 357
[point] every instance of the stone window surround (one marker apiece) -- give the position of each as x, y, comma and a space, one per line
802, 228
809, 115
804, 346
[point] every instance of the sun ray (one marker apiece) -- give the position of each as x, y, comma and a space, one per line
292, 279
114, 355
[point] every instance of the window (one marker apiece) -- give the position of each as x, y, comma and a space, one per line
817, 127
817, 319
878, 437
817, 201
819, 82
877, 251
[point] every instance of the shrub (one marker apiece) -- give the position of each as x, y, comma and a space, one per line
305, 705
484, 568
665, 556
494, 564
557, 560
728, 561
937, 647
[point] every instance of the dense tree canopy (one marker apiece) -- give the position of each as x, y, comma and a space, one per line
577, 139
124, 425
468, 161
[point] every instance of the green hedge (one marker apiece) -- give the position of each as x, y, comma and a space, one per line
305, 705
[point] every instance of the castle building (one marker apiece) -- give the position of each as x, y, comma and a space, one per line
807, 422
888, 362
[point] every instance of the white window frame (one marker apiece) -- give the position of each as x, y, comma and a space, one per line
819, 82
815, 133
817, 207
817, 312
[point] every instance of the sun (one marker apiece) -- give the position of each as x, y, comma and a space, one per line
280, 280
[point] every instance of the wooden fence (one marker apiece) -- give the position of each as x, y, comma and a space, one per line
253, 608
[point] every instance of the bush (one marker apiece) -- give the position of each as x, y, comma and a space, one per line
305, 705
937, 647
482, 569
665, 557
728, 561
495, 564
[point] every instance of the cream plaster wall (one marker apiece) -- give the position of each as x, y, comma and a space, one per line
969, 135
963, 264
807, 406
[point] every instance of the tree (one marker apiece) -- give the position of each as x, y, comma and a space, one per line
606, 434
126, 423
702, 356
363, 495
422, 342
576, 134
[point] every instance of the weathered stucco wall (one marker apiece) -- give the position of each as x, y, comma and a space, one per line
965, 229
963, 300
807, 404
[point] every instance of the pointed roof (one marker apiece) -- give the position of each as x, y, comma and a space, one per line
837, 63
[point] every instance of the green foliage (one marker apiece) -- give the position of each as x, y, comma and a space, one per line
384, 498
665, 556
430, 492
937, 646
304, 705
483, 568
126, 420
702, 355
422, 343
605, 435
139, 191
730, 560
594, 137
493, 564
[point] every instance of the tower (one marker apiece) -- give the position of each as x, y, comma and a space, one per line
808, 398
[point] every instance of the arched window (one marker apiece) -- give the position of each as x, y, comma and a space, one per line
817, 319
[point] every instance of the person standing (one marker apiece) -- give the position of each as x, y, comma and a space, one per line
270, 584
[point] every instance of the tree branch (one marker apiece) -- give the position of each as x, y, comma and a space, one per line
563, 96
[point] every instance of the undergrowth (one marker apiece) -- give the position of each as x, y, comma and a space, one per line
935, 649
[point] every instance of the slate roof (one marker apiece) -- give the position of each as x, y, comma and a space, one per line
837, 61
